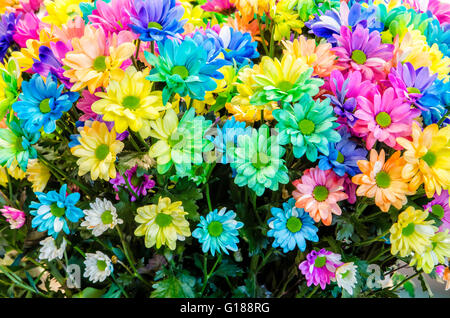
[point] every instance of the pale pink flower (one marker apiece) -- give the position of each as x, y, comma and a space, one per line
16, 218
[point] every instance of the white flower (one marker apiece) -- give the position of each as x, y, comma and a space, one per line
50, 251
346, 276
101, 217
98, 267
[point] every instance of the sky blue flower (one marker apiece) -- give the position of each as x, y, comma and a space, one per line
439, 34
343, 156
42, 103
54, 209
218, 232
238, 47
291, 226
434, 102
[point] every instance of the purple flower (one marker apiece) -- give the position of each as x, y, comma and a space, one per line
440, 207
7, 30
139, 183
49, 63
320, 267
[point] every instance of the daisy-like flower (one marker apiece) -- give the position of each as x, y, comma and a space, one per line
291, 227
38, 175
100, 217
435, 254
237, 47
358, 50
346, 276
427, 158
440, 206
98, 267
7, 29
317, 192
162, 224
218, 232
97, 151
60, 11
54, 209
112, 15
444, 273
85, 103
382, 179
308, 125
15, 218
250, 7
139, 183
258, 162
224, 7
411, 233
130, 102
96, 59
49, 251
384, 118
320, 267
28, 27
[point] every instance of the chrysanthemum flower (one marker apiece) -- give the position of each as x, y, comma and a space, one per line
97, 151
284, 22
37, 174
427, 158
250, 7
7, 29
346, 276
291, 227
258, 161
85, 105
218, 232
49, 251
237, 47
382, 180
54, 209
308, 125
98, 267
139, 183
411, 233
15, 218
318, 192
28, 27
112, 16
435, 254
440, 206
129, 102
60, 11
320, 267
162, 224
224, 7
96, 59
101, 216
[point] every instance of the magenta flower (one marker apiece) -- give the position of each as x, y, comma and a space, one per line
384, 118
350, 189
113, 16
220, 6
28, 28
84, 104
320, 267
30, 5
139, 184
441, 208
15, 218
360, 51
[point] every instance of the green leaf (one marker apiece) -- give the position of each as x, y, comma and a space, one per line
113, 292
228, 269
409, 287
172, 287
344, 230
90, 292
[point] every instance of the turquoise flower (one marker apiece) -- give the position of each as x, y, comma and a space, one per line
54, 209
291, 226
218, 232
16, 143
258, 162
308, 125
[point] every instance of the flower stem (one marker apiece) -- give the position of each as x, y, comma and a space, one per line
405, 280
261, 32
208, 197
208, 276
314, 291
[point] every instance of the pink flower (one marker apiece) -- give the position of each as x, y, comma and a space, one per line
113, 16
384, 118
350, 189
320, 267
16, 218
220, 6
318, 192
84, 104
31, 5
28, 28
74, 28
360, 51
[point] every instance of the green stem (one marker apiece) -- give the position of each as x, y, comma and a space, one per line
9, 186
265, 259
208, 197
272, 39
405, 280
313, 292
378, 256
139, 137
443, 118
129, 187
372, 240
133, 142
208, 276
137, 49
119, 285
263, 40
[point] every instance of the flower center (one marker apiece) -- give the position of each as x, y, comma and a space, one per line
306, 126
285, 86
180, 70
155, 25
383, 179
106, 217
99, 63
359, 56
44, 106
413, 90
135, 180
175, 139
320, 193
294, 224
408, 230
101, 265
429, 158
438, 210
102, 151
320, 261
260, 159
57, 211
163, 219
383, 119
131, 102
345, 274
215, 228
19, 145
340, 157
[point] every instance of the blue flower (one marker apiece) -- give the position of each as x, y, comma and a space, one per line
439, 34
218, 231
185, 69
7, 30
343, 156
210, 42
237, 47
54, 209
156, 19
42, 103
291, 226
435, 101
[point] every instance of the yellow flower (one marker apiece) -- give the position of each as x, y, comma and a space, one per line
37, 174
129, 102
285, 22
15, 171
250, 7
427, 159
435, 254
97, 151
162, 223
411, 233
3, 177
60, 11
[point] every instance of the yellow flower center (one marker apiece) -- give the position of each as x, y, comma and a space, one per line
359, 56
294, 224
383, 179
163, 219
131, 102
100, 63
215, 228
306, 126
383, 119
320, 193
44, 106
102, 151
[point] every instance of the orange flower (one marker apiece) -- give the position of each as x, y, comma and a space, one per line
446, 277
243, 24
250, 7
382, 180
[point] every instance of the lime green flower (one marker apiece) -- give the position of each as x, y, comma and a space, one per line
9, 85
435, 253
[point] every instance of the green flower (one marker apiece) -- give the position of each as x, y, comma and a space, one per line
9, 86
308, 125
258, 162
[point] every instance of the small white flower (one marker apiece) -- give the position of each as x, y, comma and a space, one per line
101, 217
98, 267
50, 251
346, 276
